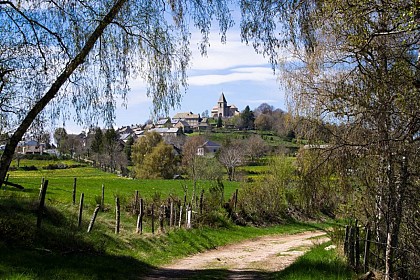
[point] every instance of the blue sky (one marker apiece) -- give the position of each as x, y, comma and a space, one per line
233, 68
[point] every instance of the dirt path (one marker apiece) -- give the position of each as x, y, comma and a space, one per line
251, 259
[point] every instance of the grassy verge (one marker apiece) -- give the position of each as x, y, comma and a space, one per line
317, 263
60, 250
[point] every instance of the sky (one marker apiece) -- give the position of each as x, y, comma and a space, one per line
245, 78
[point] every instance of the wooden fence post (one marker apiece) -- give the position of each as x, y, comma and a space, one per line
367, 252
171, 215
117, 215
103, 198
136, 202
201, 202
41, 203
139, 228
236, 200
92, 220
74, 190
357, 247
79, 219
180, 216
153, 218
351, 246
161, 218
346, 241
40, 189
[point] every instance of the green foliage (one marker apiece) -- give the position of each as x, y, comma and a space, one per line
44, 156
97, 144
219, 122
128, 148
318, 188
208, 168
153, 158
266, 200
247, 118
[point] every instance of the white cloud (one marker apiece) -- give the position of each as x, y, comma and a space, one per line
232, 54
137, 94
249, 74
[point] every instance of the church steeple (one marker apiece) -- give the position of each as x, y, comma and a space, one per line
222, 98
222, 106
222, 109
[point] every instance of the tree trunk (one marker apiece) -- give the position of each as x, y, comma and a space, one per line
11, 145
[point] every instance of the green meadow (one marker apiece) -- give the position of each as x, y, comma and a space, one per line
62, 250
89, 180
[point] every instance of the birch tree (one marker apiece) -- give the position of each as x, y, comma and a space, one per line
75, 58
354, 72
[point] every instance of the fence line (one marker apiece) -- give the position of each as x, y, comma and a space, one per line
171, 214
356, 246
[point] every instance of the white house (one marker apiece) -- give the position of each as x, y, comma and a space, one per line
208, 148
30, 147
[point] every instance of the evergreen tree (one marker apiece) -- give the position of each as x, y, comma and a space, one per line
247, 118
128, 149
97, 143
219, 122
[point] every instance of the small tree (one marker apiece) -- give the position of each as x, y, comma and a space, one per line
190, 157
219, 122
264, 122
112, 149
256, 147
248, 118
128, 148
153, 158
232, 156
159, 163
268, 200
97, 144
60, 135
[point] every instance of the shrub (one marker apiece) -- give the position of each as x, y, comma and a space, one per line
44, 156
28, 168
266, 201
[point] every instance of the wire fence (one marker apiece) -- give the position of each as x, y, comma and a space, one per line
156, 215
365, 252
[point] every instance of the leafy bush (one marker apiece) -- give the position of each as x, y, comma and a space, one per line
28, 168
44, 156
266, 201
53, 166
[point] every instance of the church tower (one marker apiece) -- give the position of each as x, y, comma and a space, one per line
222, 107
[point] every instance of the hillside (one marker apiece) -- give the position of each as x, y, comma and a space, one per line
61, 249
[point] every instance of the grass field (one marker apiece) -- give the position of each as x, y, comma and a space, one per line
90, 180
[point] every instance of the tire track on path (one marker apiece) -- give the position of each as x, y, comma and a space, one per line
251, 259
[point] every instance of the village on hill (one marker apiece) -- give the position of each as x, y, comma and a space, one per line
173, 131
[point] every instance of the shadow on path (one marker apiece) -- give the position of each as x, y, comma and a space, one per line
162, 274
